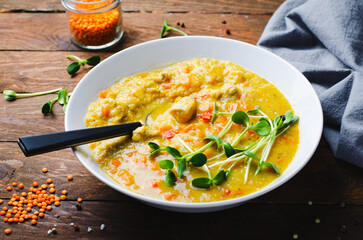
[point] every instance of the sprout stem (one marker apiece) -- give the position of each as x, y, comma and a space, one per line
23, 95
75, 57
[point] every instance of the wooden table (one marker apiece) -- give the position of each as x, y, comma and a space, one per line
34, 43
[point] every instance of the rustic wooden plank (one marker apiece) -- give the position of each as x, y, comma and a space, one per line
133, 220
226, 6
40, 71
323, 180
49, 31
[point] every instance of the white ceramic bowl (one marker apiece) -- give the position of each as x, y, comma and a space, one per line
146, 56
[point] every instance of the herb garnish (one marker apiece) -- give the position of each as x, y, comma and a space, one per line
198, 159
267, 130
170, 178
75, 66
63, 97
11, 95
167, 28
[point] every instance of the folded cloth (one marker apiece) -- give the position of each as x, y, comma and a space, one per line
324, 40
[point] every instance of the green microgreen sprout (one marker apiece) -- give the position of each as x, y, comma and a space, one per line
241, 118
11, 95
217, 113
228, 149
198, 159
167, 28
204, 182
63, 97
170, 178
47, 107
73, 68
267, 130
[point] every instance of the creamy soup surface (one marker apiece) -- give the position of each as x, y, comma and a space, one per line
176, 105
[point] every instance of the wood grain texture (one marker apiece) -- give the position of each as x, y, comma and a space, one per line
225, 6
33, 44
40, 71
323, 180
49, 31
133, 220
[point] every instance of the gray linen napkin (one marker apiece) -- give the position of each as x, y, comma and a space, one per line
324, 40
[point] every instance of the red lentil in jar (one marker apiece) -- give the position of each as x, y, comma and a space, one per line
94, 24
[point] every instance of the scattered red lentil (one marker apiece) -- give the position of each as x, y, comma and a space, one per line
70, 177
9, 188
44, 170
22, 204
14, 184
79, 200
228, 31
178, 23
7, 231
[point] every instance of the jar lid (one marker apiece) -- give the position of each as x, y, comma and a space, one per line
90, 6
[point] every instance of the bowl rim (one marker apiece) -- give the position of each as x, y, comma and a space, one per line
202, 205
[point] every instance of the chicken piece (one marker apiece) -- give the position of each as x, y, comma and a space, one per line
184, 110
143, 132
231, 90
216, 94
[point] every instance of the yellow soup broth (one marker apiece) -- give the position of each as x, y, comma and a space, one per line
176, 105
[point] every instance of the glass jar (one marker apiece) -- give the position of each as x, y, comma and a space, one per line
94, 24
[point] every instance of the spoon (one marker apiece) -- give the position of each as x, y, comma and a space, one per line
38, 144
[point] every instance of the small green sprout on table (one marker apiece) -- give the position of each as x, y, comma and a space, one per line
63, 97
267, 130
11, 95
75, 66
167, 28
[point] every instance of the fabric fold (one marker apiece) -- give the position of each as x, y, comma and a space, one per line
324, 40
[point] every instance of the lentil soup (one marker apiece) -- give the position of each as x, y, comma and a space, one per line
214, 122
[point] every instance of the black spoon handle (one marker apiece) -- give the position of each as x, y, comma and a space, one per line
33, 145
